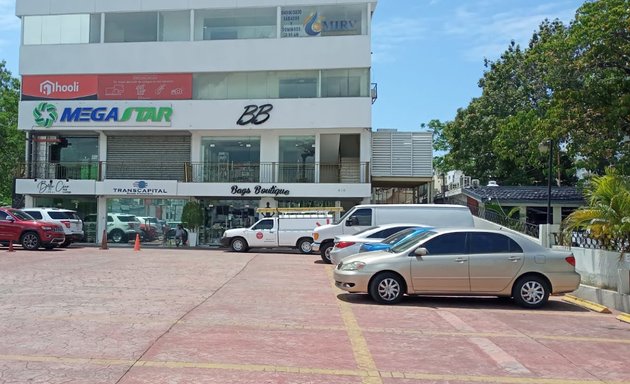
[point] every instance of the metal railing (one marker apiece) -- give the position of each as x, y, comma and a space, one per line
514, 224
271, 172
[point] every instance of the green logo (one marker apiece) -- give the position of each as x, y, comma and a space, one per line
45, 115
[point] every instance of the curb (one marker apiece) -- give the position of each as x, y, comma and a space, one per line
625, 317
587, 304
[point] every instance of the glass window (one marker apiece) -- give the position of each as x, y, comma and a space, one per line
35, 214
264, 224
295, 85
360, 217
61, 29
228, 159
297, 159
447, 244
3, 215
333, 20
131, 27
492, 243
227, 24
174, 26
281, 84
345, 83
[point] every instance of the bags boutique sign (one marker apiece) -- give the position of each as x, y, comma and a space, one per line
258, 190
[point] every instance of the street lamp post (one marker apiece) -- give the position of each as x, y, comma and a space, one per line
547, 147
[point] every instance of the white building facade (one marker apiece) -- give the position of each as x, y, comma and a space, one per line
138, 106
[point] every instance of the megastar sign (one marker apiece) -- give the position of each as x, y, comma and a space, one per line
47, 115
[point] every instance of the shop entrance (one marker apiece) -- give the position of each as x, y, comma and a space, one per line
226, 214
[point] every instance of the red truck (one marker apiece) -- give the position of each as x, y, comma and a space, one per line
20, 228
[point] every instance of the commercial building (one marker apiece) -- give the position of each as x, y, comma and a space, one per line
139, 106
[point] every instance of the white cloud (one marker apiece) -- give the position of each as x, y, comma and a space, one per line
393, 35
489, 32
8, 20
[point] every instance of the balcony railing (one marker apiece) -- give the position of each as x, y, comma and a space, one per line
351, 173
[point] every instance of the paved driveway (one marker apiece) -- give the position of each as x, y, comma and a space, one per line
84, 315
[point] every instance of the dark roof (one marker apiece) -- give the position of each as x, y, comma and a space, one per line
524, 193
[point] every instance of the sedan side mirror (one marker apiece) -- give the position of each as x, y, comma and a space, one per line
420, 252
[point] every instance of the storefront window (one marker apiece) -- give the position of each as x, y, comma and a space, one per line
231, 159
297, 159
226, 214
227, 24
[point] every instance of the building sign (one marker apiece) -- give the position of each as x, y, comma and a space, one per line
54, 187
145, 87
255, 114
47, 115
258, 190
59, 87
140, 187
319, 21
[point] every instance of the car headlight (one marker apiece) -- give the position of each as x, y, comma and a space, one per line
353, 266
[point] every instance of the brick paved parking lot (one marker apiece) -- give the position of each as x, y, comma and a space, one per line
85, 315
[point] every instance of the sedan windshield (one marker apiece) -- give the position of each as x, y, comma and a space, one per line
411, 241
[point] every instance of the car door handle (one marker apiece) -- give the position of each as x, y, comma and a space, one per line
461, 260
514, 258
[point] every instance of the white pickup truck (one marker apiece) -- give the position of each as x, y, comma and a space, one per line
293, 231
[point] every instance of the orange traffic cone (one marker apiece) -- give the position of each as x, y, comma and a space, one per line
136, 246
10, 246
104, 240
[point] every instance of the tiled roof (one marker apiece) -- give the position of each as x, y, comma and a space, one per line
525, 193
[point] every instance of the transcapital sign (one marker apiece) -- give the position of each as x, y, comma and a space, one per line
47, 114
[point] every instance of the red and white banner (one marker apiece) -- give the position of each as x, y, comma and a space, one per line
145, 87
59, 87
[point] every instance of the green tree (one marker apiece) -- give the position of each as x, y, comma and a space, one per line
593, 104
11, 139
607, 216
192, 215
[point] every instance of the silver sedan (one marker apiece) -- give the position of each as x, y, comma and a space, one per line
461, 262
348, 245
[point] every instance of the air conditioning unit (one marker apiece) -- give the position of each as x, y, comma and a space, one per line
475, 183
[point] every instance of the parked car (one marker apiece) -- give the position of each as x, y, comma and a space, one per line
463, 261
404, 235
348, 245
19, 227
71, 222
361, 217
121, 227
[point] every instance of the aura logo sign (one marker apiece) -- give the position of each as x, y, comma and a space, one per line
46, 115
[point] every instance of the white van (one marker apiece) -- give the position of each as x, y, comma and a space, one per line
361, 217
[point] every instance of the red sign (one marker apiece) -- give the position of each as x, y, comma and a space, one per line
59, 87
259, 235
145, 87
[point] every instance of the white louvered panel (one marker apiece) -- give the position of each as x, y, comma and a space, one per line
403, 154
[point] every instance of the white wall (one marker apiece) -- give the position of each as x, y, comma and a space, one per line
198, 56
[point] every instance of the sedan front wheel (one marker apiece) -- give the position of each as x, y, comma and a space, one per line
387, 288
